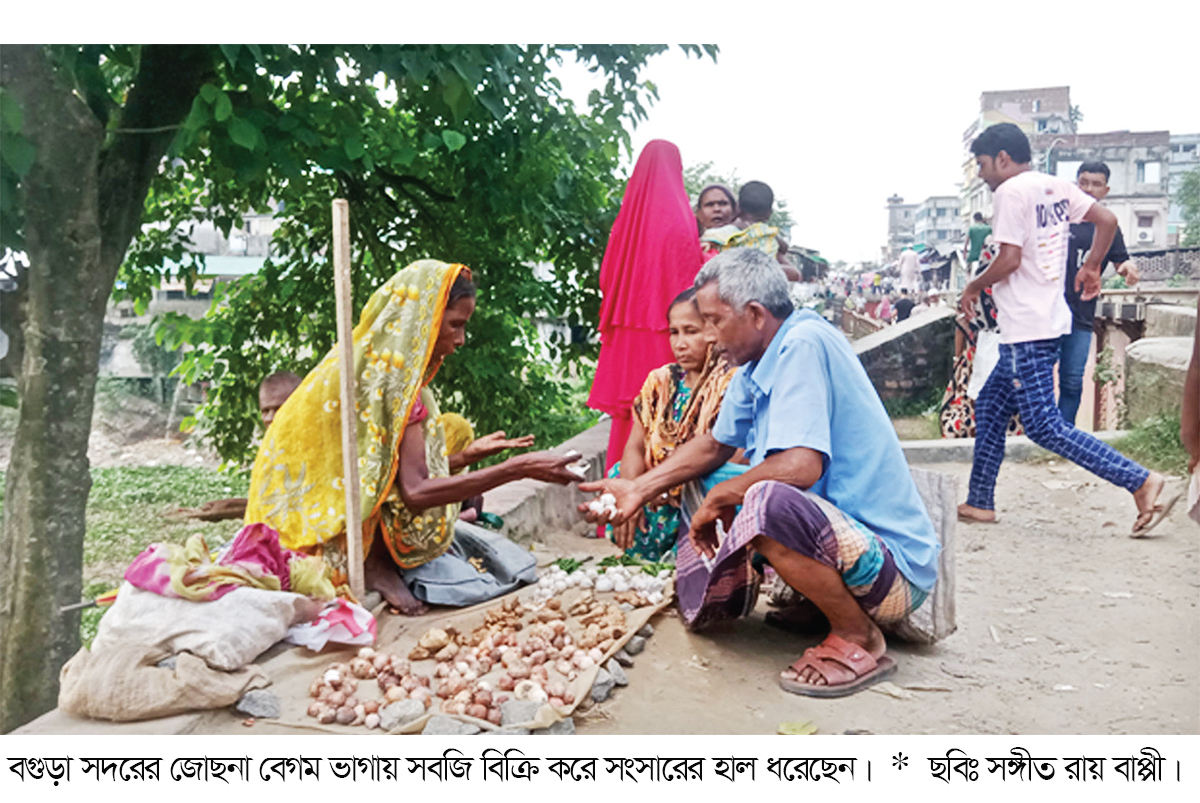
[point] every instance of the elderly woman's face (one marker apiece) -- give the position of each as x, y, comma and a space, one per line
453, 332
716, 209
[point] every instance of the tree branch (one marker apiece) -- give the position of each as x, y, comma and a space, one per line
398, 181
167, 81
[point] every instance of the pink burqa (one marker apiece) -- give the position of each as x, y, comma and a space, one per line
653, 254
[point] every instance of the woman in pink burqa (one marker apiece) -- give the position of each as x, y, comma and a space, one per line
653, 254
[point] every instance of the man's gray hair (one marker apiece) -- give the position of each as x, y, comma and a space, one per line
747, 274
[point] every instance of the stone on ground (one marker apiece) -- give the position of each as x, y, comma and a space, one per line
622, 658
400, 713
511, 730
564, 727
513, 712
635, 645
618, 674
603, 685
259, 703
439, 725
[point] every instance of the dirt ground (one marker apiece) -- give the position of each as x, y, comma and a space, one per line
1065, 625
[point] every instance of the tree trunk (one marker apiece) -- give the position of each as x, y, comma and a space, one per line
83, 201
48, 479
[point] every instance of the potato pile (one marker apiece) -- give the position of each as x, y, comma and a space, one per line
336, 690
536, 652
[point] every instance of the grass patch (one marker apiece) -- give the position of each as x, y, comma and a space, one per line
1155, 444
918, 427
916, 418
919, 406
126, 512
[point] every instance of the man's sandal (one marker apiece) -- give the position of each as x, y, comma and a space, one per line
1159, 512
847, 668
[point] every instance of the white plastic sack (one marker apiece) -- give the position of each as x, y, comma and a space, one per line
227, 633
987, 355
340, 621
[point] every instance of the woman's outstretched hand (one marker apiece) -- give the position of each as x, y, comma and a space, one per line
547, 466
495, 443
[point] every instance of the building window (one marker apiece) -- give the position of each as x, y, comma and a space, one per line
1145, 221
1041, 125
1037, 105
1148, 173
1067, 169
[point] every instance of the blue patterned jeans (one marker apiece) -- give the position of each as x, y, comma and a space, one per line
1023, 382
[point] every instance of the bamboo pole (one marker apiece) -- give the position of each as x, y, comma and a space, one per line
345, 328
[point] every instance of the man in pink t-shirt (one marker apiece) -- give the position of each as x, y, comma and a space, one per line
1031, 222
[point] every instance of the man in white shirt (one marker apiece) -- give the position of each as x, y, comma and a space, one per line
1031, 224
910, 266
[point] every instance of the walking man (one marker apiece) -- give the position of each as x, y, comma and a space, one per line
1032, 214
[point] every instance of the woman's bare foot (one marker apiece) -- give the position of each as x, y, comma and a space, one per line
380, 574
403, 600
977, 514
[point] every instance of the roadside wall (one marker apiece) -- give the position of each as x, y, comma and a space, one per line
1170, 320
1154, 371
529, 506
912, 358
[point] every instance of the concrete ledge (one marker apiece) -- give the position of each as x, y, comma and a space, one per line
1170, 320
1155, 368
57, 723
962, 450
530, 506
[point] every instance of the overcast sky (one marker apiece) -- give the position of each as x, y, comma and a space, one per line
836, 116
836, 108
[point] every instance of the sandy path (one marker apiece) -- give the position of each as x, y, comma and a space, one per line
1098, 634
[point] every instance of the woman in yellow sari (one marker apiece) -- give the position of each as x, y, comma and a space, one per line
409, 496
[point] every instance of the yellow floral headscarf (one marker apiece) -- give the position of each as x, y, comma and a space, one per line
296, 483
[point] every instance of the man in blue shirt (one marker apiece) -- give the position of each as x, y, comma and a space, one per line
828, 498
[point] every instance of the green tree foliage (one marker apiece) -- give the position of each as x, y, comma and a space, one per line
108, 153
1188, 197
698, 176
469, 154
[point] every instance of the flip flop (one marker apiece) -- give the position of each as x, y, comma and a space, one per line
1160, 512
846, 667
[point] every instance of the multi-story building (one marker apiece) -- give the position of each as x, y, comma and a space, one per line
936, 222
1139, 165
1034, 111
901, 220
1185, 156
